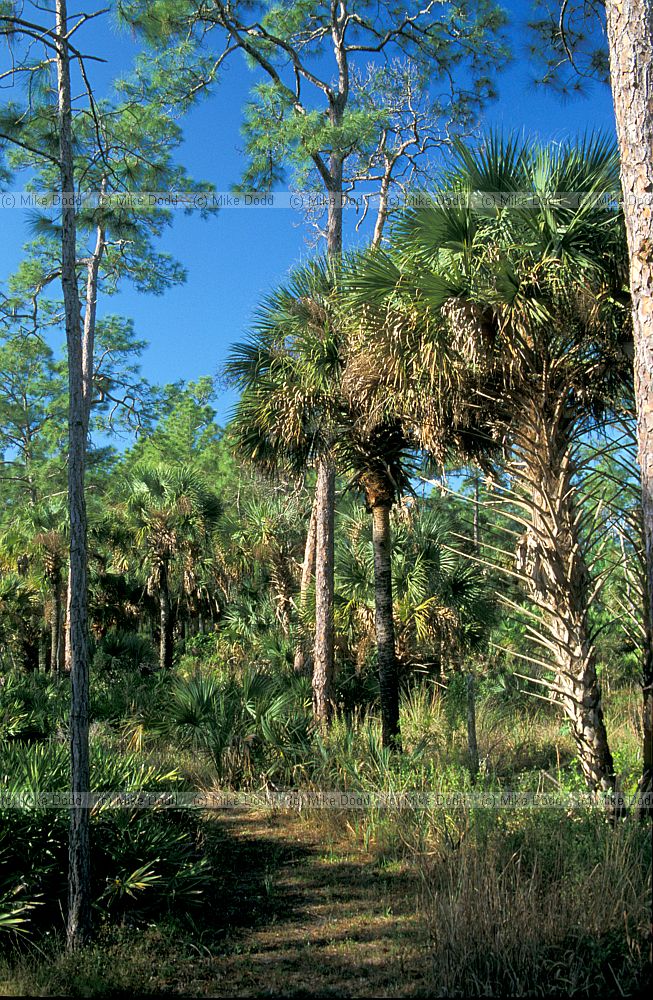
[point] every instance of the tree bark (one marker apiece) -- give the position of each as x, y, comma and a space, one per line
79, 891
56, 627
88, 354
630, 39
324, 592
384, 626
551, 558
43, 652
472, 742
165, 623
323, 658
308, 567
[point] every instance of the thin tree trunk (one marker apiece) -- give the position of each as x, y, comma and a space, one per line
308, 567
630, 37
56, 626
43, 652
323, 658
67, 659
324, 592
165, 623
384, 625
79, 889
552, 560
472, 742
88, 354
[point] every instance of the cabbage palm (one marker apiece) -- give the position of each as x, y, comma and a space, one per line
524, 296
297, 409
38, 538
265, 531
172, 513
377, 453
440, 599
289, 371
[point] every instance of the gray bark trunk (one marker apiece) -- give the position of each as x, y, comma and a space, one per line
324, 591
384, 626
56, 628
323, 658
88, 354
630, 38
79, 894
308, 567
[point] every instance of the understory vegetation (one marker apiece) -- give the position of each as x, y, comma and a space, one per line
512, 899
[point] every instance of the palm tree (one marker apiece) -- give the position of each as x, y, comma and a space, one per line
378, 455
525, 311
172, 513
441, 600
297, 409
264, 531
289, 371
38, 537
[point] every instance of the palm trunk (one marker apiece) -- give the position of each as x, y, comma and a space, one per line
307, 573
552, 560
79, 889
324, 592
645, 789
384, 626
630, 37
165, 623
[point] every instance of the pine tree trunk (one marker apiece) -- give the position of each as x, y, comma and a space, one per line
79, 890
384, 626
630, 38
88, 355
308, 567
324, 591
323, 657
551, 557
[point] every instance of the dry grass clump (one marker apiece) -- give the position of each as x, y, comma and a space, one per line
540, 905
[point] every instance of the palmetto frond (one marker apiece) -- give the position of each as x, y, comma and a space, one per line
289, 370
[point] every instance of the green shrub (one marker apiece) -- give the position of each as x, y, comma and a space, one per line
120, 652
31, 704
144, 860
255, 727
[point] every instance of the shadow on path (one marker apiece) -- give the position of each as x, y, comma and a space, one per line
291, 918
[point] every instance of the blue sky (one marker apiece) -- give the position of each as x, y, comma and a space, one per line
236, 256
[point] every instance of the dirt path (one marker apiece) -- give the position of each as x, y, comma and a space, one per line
297, 916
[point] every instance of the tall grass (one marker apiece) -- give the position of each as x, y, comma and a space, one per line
559, 905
